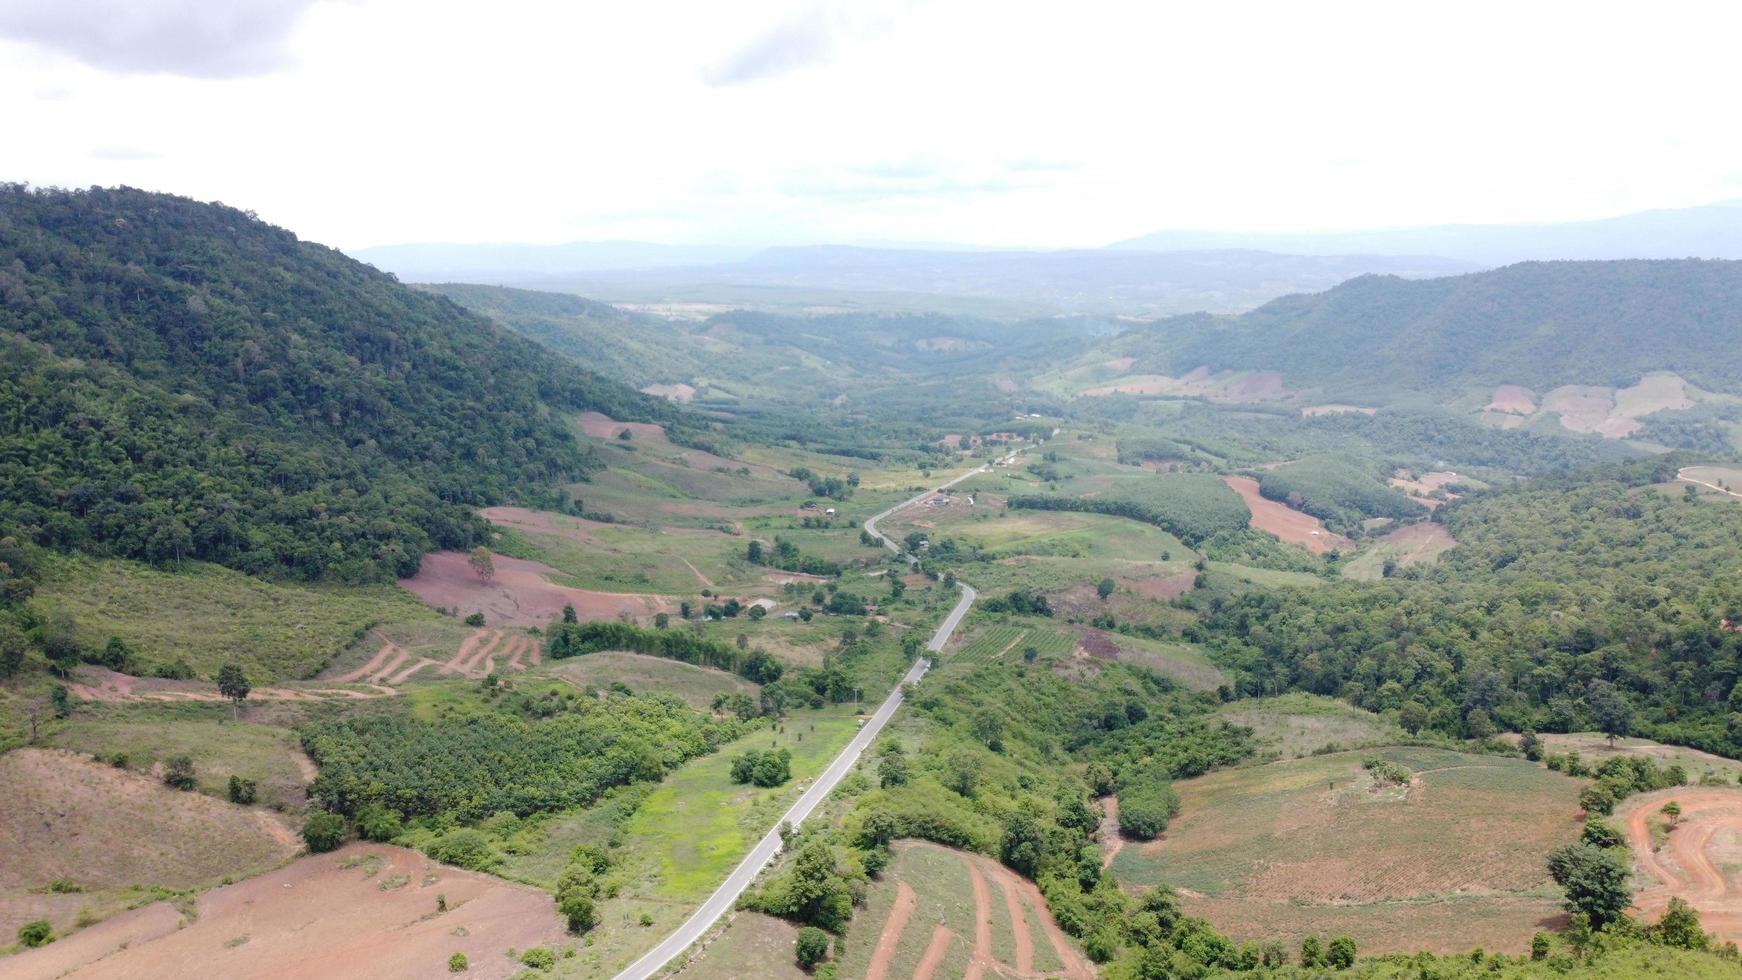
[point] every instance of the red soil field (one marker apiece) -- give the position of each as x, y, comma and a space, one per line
1512, 400
317, 918
1289, 525
1692, 863
602, 426
520, 593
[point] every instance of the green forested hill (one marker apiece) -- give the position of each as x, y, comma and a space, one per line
181, 380
1538, 324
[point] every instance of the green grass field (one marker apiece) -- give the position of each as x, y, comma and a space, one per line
148, 734
209, 615
1003, 642
692, 828
1296, 725
697, 686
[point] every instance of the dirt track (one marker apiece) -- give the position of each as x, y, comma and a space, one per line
889, 940
1689, 866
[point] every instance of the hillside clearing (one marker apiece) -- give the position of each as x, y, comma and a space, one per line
335, 914
1287, 524
1450, 861
520, 593
117, 835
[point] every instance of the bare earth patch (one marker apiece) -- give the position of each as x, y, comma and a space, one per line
108, 830
1425, 484
520, 593
316, 917
1583, 408
1286, 523
602, 426
1419, 543
1697, 861
1512, 400
677, 392
1165, 587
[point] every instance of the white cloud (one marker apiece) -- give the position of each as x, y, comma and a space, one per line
954, 120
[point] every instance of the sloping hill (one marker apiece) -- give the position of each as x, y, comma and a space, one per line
1536, 324
181, 380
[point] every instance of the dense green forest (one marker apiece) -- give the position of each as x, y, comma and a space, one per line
181, 380
1588, 601
1341, 490
1538, 324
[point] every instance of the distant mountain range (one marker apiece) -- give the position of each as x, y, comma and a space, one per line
1165, 273
1712, 231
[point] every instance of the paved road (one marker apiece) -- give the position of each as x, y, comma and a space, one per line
725, 896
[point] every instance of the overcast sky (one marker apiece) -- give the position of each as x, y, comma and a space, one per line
365, 122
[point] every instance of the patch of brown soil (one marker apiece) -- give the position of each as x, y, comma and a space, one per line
1588, 409
520, 593
678, 392
318, 918
889, 940
1098, 644
1286, 523
602, 426
1426, 484
1313, 411
1512, 400
1687, 866
1112, 841
377, 664
64, 816
101, 684
543, 522
1168, 587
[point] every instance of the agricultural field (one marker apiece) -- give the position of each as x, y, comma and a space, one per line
1450, 861
697, 686
1008, 643
520, 592
1421, 543
919, 922
208, 616
1288, 525
322, 915
1183, 662
114, 838
1297, 725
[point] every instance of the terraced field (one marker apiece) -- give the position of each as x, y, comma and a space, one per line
1006, 642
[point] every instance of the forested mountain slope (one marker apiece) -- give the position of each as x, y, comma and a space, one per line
1537, 324
181, 380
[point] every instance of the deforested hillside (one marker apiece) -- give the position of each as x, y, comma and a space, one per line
1537, 324
183, 381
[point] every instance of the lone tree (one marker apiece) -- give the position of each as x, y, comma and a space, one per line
1673, 811
481, 563
1609, 709
811, 947
233, 684
1105, 589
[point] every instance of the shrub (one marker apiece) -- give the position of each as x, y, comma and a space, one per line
811, 947
457, 963
324, 831
475, 619
179, 772
242, 791
466, 847
378, 823
34, 934
1597, 800
538, 958
1146, 806
1341, 952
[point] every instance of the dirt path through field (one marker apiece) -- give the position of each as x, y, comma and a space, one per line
1018, 927
1708, 486
982, 922
1112, 841
1685, 866
889, 940
934, 952
376, 663
707, 583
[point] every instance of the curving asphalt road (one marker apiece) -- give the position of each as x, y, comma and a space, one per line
725, 896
